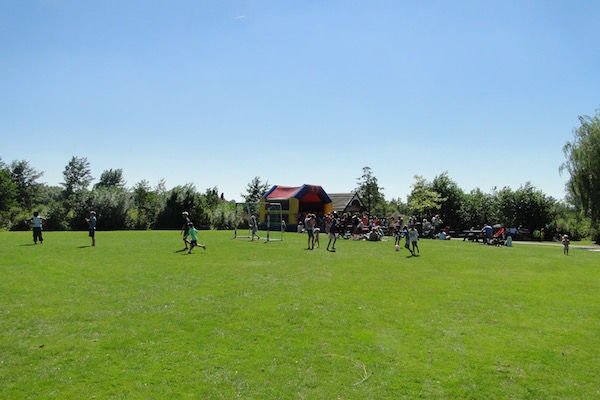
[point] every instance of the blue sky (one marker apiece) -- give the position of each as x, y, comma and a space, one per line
215, 93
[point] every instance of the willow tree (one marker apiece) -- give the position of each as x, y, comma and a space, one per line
583, 165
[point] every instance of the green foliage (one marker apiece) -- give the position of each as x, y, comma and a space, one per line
583, 165
424, 201
111, 206
479, 208
147, 205
8, 196
369, 191
452, 198
25, 178
255, 190
223, 216
77, 175
111, 178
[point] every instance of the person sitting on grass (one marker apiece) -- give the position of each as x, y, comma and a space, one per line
36, 224
194, 236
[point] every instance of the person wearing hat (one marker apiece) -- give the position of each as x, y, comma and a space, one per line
92, 226
185, 229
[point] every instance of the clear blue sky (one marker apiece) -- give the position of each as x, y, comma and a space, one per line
215, 93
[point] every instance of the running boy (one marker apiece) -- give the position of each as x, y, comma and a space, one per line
36, 224
193, 233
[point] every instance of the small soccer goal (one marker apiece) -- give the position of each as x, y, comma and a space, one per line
274, 222
246, 216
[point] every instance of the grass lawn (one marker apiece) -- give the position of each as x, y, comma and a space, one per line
132, 318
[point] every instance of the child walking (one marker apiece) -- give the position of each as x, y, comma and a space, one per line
254, 226
193, 233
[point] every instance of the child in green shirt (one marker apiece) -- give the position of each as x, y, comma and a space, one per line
193, 233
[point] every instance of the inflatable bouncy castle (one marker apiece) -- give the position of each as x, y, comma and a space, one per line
296, 201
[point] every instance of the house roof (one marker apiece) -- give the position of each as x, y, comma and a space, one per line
342, 200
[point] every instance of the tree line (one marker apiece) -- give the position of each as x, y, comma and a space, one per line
143, 206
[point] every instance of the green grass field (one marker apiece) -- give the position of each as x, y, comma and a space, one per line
132, 318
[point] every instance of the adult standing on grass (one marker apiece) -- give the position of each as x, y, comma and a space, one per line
309, 225
185, 229
92, 226
414, 238
36, 224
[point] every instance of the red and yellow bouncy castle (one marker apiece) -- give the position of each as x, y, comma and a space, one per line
297, 200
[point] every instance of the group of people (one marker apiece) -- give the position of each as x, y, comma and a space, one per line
37, 221
332, 223
411, 236
314, 231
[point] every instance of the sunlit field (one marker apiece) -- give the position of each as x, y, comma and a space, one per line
134, 318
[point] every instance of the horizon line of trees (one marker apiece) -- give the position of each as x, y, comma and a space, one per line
145, 207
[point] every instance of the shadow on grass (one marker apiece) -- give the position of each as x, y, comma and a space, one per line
28, 244
83, 247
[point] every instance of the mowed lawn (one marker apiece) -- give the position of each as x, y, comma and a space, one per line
132, 318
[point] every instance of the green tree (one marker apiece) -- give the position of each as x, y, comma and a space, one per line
77, 175
369, 190
8, 195
111, 178
583, 165
452, 199
479, 208
25, 178
255, 190
424, 201
146, 206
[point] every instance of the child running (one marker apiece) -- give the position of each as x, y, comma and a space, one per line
414, 238
36, 224
194, 236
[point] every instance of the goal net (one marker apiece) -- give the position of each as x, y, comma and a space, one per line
274, 222
246, 217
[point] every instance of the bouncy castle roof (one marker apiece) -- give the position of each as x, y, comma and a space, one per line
304, 193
